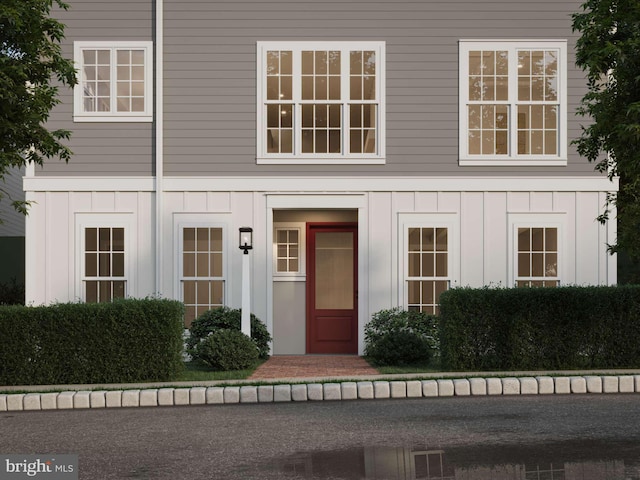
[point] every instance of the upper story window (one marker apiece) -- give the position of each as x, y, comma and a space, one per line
513, 103
114, 82
320, 102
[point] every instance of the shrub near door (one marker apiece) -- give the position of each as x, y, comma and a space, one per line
399, 337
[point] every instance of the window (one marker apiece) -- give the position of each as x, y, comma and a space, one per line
287, 250
202, 277
428, 273
104, 264
320, 102
513, 105
537, 261
114, 81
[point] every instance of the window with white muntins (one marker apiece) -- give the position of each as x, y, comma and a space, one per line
537, 257
115, 82
513, 102
428, 272
320, 102
104, 272
202, 273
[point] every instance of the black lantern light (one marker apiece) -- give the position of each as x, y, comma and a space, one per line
246, 239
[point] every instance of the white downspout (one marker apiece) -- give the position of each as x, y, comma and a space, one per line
159, 81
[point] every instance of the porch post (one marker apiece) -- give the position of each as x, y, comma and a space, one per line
246, 296
246, 244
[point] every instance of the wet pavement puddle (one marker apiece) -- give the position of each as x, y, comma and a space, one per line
575, 460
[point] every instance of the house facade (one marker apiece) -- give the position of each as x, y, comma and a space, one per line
382, 152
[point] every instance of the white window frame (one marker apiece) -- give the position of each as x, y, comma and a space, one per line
451, 222
79, 115
537, 220
106, 220
180, 257
301, 274
513, 158
320, 158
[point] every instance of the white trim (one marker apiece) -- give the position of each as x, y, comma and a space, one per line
451, 221
297, 157
512, 159
124, 220
330, 185
536, 220
79, 115
159, 150
89, 184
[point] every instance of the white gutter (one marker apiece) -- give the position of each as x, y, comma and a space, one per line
159, 204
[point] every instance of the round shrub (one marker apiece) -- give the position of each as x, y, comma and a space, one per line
227, 318
399, 348
228, 350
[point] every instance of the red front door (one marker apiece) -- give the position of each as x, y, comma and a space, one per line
332, 282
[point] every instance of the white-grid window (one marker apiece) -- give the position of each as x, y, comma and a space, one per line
287, 250
320, 102
202, 279
537, 257
104, 268
513, 105
289, 254
114, 81
428, 267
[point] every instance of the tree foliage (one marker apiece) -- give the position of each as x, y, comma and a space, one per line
30, 63
608, 50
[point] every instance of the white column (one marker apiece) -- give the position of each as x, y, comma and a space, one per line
245, 323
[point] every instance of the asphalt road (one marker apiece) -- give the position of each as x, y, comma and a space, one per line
405, 438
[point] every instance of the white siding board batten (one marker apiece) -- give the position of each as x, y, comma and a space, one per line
587, 242
541, 201
381, 252
518, 202
565, 202
472, 239
60, 274
495, 240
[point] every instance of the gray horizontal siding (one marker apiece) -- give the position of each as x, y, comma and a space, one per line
210, 114
103, 148
210, 79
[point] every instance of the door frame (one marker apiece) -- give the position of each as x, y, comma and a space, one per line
310, 283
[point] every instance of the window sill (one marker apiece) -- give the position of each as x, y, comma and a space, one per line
513, 162
279, 277
112, 118
320, 161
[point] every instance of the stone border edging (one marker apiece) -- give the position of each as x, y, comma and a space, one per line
349, 390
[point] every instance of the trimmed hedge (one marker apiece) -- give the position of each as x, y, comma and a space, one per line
540, 328
401, 337
128, 340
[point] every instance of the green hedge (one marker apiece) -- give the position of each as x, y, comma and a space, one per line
540, 328
125, 341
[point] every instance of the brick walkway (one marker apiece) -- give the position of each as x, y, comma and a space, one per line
312, 366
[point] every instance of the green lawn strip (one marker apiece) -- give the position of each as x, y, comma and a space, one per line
402, 377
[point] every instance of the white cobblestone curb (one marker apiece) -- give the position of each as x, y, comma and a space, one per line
335, 390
